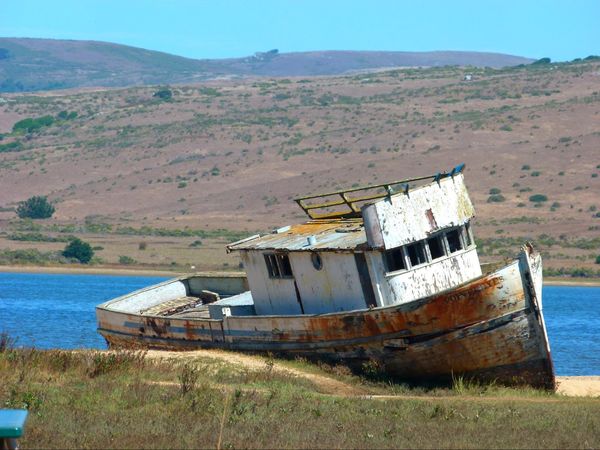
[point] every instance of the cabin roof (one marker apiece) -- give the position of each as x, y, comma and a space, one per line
342, 231
330, 234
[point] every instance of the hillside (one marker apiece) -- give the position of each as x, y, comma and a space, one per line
43, 64
232, 154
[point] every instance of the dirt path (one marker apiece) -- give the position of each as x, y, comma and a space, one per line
568, 386
325, 384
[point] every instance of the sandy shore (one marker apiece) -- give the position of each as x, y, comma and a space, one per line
579, 386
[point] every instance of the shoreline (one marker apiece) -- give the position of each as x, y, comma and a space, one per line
143, 272
553, 281
74, 270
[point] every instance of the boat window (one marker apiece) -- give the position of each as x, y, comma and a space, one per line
394, 259
272, 267
436, 247
285, 268
416, 253
468, 238
278, 265
454, 242
317, 262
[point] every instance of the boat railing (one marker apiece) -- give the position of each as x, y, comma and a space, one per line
347, 203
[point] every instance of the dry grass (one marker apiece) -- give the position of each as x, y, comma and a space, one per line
126, 400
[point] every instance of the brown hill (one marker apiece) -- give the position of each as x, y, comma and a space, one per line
43, 64
233, 154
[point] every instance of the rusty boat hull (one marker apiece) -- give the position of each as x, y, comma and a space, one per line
491, 328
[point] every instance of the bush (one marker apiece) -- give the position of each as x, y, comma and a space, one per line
30, 125
538, 198
163, 94
80, 250
494, 191
36, 207
123, 259
598, 259
15, 146
496, 198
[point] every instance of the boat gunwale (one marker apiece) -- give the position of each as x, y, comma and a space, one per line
104, 305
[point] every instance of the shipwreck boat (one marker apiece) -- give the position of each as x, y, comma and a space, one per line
386, 274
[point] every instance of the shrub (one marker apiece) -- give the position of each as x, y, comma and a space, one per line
36, 207
598, 259
496, 198
494, 191
123, 259
538, 198
163, 94
188, 377
30, 125
66, 115
526, 167
15, 146
80, 250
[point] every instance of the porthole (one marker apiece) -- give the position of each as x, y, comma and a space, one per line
317, 262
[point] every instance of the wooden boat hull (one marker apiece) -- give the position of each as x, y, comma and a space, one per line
491, 328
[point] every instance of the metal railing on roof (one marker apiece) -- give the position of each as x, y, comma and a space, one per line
352, 205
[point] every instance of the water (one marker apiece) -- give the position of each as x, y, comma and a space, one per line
57, 311
572, 316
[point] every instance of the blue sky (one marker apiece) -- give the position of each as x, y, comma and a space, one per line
561, 30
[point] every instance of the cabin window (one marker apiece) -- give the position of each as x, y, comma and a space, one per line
316, 260
272, 267
468, 237
394, 259
278, 265
416, 253
454, 242
436, 247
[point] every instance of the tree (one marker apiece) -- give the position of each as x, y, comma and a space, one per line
79, 250
36, 207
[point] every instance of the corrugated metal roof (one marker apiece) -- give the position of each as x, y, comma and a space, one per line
345, 234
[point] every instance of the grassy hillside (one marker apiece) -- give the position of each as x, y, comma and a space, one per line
43, 64
221, 159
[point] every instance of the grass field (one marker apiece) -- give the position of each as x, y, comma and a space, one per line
141, 400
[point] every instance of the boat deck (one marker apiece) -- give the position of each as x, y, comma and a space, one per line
199, 312
173, 307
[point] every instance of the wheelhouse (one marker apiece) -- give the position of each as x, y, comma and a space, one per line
365, 247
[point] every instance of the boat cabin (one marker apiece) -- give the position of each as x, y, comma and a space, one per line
365, 247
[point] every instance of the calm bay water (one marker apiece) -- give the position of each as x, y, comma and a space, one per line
57, 311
